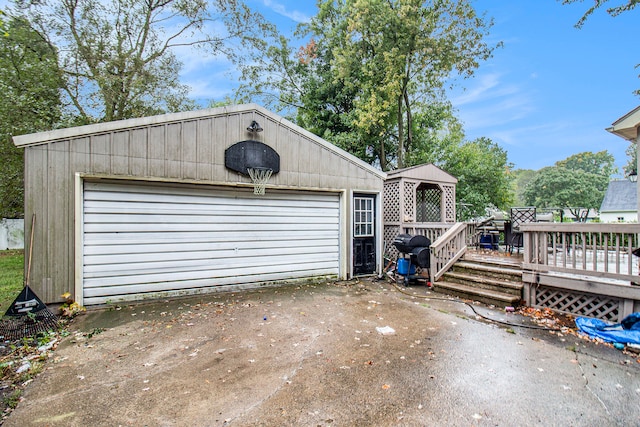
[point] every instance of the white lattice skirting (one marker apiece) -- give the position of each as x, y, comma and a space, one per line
575, 302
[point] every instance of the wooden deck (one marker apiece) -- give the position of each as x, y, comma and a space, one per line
578, 293
581, 269
502, 257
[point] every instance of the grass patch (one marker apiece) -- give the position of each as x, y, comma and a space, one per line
11, 277
12, 399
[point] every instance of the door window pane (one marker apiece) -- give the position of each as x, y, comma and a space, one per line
363, 216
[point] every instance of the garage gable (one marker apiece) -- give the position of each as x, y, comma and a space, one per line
132, 178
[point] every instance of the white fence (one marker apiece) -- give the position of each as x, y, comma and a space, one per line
11, 234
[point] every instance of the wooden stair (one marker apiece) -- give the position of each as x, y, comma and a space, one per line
491, 280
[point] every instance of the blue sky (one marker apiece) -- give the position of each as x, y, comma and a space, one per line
550, 92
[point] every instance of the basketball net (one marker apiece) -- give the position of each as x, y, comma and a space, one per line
260, 177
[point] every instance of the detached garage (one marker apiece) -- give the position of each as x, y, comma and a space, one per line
174, 205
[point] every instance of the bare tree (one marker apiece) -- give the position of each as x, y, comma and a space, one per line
118, 58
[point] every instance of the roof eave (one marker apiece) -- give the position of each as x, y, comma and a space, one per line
627, 126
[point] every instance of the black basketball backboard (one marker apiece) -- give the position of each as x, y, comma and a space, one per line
251, 154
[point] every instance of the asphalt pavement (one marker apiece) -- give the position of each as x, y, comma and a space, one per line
358, 353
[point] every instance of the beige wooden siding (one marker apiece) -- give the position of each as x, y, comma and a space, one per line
185, 147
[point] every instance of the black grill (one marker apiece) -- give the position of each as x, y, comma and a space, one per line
417, 247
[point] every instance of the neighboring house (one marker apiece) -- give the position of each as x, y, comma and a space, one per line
628, 128
161, 206
620, 202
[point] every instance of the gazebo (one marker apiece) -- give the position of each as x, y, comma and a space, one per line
415, 201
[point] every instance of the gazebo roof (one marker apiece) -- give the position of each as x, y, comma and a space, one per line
627, 126
426, 172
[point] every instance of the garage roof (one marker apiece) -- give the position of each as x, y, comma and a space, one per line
46, 137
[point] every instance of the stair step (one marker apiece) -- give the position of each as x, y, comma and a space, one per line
491, 278
502, 261
486, 296
495, 269
484, 282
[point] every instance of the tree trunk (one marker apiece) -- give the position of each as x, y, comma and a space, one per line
382, 155
400, 152
409, 144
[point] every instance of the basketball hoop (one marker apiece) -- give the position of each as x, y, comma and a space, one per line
260, 177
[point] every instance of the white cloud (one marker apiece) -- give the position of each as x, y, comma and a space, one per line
281, 9
486, 87
210, 89
491, 104
209, 77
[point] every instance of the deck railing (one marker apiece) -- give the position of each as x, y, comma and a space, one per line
447, 249
601, 250
582, 269
432, 230
448, 243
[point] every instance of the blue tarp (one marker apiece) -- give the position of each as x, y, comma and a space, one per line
626, 332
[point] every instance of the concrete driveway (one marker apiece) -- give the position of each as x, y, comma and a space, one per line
324, 355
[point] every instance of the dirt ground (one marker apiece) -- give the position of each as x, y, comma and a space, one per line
355, 353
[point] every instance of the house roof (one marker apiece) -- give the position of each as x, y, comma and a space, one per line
425, 172
53, 136
621, 195
627, 126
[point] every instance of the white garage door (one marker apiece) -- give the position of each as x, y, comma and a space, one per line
144, 240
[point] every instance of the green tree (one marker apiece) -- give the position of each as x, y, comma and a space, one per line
522, 177
600, 163
632, 160
30, 102
397, 54
370, 67
577, 182
437, 135
117, 56
573, 189
370, 78
484, 177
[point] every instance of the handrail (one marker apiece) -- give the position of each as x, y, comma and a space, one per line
431, 230
447, 249
594, 249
